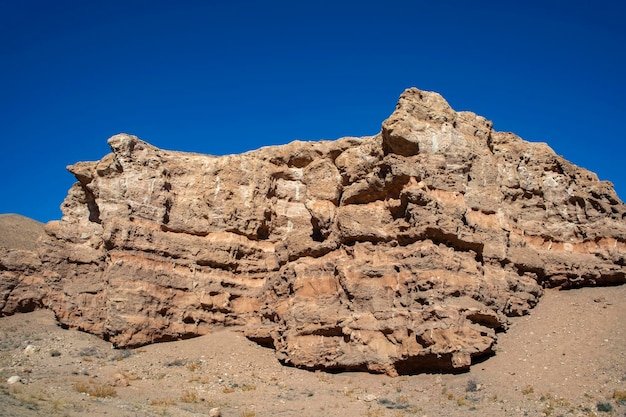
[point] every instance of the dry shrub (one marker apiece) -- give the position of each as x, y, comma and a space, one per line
89, 351
122, 354
604, 407
189, 397
82, 387
194, 366
95, 389
619, 397
102, 391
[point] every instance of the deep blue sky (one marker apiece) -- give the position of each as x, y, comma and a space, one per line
225, 77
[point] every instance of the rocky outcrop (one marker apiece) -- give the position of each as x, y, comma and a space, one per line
396, 253
22, 288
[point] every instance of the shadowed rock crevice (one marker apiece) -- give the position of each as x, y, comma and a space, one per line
431, 363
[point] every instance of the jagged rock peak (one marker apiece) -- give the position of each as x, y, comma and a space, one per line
409, 130
401, 252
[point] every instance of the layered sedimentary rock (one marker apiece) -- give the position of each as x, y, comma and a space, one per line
22, 288
396, 253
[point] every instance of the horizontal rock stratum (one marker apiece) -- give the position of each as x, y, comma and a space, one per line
397, 253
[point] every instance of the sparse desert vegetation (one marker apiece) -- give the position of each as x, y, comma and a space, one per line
95, 389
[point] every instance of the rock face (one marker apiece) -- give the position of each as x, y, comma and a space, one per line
396, 253
22, 287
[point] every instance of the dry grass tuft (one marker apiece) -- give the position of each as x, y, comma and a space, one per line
102, 391
194, 366
95, 389
82, 387
619, 397
189, 397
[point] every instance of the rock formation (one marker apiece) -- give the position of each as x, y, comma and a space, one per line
21, 285
396, 253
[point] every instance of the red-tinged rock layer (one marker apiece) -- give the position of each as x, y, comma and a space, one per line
396, 253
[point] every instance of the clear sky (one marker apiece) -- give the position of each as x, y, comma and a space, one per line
223, 77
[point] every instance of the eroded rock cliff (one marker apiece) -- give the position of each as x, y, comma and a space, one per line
397, 253
22, 287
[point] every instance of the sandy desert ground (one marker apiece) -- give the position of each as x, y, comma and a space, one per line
567, 358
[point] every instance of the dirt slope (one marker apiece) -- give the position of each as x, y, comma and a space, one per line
19, 232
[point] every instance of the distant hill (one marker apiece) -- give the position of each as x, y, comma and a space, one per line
19, 232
